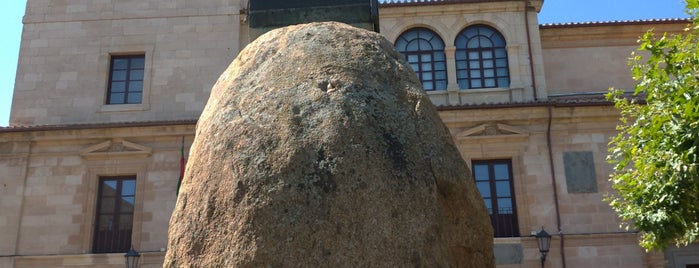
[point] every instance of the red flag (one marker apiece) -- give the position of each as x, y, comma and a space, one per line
182, 164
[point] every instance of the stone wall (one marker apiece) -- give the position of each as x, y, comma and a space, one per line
50, 185
65, 52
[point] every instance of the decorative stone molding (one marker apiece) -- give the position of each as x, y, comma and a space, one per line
115, 149
492, 130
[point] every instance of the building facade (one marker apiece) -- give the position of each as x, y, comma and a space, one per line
108, 93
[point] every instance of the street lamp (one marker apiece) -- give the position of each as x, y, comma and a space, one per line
543, 240
131, 257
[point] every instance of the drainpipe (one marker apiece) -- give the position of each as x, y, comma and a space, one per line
527, 3
553, 185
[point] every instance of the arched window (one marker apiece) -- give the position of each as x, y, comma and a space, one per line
424, 50
481, 58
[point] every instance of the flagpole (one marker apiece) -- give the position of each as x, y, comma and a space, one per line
182, 165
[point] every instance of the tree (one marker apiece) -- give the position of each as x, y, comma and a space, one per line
656, 153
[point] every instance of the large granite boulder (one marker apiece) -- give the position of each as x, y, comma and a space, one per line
318, 148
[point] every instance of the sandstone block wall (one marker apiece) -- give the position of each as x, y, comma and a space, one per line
66, 47
48, 196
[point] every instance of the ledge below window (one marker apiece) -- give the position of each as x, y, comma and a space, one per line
476, 96
123, 107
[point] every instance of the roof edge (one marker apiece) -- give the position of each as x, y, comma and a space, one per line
613, 23
95, 126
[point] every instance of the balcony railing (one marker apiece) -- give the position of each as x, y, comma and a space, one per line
504, 222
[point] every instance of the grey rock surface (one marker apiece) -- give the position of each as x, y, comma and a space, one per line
318, 148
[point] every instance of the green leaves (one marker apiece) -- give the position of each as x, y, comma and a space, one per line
656, 153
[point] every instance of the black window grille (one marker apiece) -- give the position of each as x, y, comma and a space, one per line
114, 217
424, 50
494, 182
481, 58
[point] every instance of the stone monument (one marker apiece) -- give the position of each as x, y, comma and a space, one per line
319, 148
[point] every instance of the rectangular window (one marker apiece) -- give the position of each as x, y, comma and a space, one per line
126, 79
494, 182
114, 218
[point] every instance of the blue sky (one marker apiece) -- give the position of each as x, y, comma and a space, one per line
554, 11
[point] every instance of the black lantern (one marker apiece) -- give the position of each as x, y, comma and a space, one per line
543, 240
131, 257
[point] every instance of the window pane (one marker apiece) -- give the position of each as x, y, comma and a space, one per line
118, 75
488, 73
474, 64
480, 172
424, 45
501, 62
441, 85
503, 82
473, 43
462, 74
485, 31
501, 171
134, 98
502, 188
471, 32
440, 66
489, 82
439, 56
437, 43
473, 55
506, 210
136, 75
484, 188
460, 55
461, 65
135, 86
415, 66
485, 42
498, 40
410, 35
127, 204
475, 74
488, 64
505, 204
118, 87
500, 53
120, 64
128, 187
106, 205
476, 84
487, 54
116, 98
125, 221
426, 58
502, 72
428, 85
138, 63
413, 46
109, 188
105, 222
400, 44
440, 75
426, 67
488, 205
463, 84
412, 58
426, 76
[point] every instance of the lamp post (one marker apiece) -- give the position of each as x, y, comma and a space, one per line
131, 257
543, 240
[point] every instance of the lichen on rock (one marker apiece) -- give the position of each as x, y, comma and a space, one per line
319, 148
